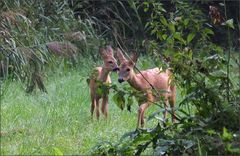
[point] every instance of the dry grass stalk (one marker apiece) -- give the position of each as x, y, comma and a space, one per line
11, 16
75, 36
64, 49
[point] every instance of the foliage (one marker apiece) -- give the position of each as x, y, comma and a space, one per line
188, 137
181, 40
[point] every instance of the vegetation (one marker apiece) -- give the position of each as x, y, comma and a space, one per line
53, 45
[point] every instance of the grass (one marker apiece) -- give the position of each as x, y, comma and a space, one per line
45, 124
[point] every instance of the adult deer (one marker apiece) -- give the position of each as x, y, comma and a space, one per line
146, 81
102, 75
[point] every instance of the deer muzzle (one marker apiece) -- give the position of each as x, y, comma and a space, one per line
120, 80
115, 69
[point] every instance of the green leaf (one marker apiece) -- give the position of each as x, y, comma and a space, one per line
201, 151
170, 40
221, 4
226, 136
159, 35
102, 88
233, 150
119, 99
185, 22
146, 6
57, 151
190, 37
129, 103
164, 36
171, 27
178, 36
229, 23
208, 31
212, 132
163, 20
99, 91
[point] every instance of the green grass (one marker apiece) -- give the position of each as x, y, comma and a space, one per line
42, 123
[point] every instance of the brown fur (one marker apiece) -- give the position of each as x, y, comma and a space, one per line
103, 75
159, 79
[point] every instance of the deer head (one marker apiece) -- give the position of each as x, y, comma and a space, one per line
110, 62
126, 66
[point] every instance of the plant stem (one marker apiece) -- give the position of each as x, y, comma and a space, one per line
228, 56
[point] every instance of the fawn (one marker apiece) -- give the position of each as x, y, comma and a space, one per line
102, 75
159, 79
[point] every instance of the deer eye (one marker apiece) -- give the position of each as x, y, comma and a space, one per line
110, 62
128, 70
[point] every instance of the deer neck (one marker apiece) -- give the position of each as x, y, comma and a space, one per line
135, 81
104, 74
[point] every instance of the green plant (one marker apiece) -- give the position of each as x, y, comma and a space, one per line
181, 40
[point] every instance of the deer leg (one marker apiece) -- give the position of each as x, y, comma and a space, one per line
93, 106
165, 108
97, 108
172, 102
105, 106
141, 111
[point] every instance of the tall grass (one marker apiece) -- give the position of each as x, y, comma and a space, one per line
27, 27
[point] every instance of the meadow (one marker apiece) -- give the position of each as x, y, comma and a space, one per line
60, 120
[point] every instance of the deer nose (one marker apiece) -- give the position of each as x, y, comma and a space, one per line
120, 80
115, 69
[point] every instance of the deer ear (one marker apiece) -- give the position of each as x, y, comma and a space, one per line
134, 58
109, 50
102, 52
120, 56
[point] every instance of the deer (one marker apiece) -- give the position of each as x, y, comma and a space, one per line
102, 75
146, 81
